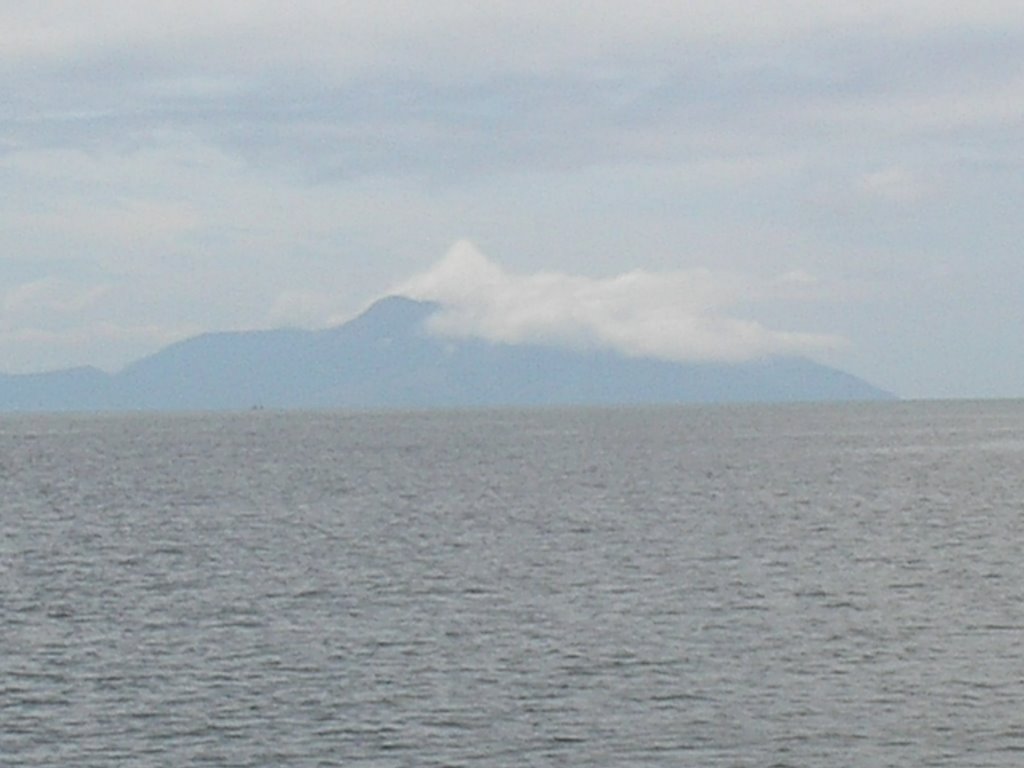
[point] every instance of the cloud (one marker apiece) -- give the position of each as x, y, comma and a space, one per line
345, 88
48, 299
892, 185
103, 345
309, 308
681, 315
533, 34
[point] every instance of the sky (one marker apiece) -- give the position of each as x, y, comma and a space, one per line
700, 180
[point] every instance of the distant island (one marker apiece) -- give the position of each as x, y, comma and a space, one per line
386, 358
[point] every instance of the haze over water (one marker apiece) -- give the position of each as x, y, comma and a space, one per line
742, 586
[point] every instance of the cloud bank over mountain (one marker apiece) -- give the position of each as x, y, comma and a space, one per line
682, 315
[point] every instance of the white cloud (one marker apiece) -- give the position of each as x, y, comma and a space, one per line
797, 277
892, 185
681, 315
47, 299
103, 345
305, 309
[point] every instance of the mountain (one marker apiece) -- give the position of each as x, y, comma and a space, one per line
385, 358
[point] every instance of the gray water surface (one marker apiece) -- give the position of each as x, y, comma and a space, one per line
743, 586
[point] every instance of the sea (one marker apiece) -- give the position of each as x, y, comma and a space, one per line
800, 585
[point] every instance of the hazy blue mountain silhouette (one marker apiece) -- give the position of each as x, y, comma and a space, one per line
386, 359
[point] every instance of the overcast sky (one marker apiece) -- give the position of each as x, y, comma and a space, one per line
687, 179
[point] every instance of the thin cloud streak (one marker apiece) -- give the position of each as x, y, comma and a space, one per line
680, 315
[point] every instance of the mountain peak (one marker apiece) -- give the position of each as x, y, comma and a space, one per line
392, 314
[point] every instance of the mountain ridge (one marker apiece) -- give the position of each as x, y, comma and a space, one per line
386, 358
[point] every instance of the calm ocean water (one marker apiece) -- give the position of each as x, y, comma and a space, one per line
743, 586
